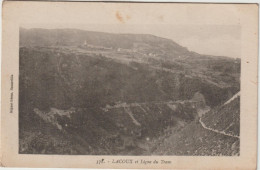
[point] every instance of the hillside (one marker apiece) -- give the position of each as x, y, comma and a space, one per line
101, 93
215, 133
225, 118
75, 37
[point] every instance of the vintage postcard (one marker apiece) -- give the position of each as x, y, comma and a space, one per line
129, 85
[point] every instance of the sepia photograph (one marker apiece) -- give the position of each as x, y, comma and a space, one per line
99, 93
129, 85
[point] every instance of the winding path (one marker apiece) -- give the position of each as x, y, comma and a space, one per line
128, 111
221, 132
232, 98
216, 131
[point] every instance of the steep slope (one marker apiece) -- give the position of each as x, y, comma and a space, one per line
225, 118
193, 139
215, 133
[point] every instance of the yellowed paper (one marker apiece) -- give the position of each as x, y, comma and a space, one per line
129, 85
